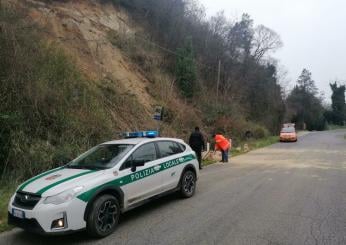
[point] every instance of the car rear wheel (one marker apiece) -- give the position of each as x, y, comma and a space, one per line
188, 184
104, 216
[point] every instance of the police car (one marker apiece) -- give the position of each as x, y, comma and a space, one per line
93, 190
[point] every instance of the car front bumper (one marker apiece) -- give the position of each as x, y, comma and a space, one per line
40, 219
288, 139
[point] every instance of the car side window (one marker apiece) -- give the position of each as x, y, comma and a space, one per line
177, 148
181, 146
146, 153
168, 148
127, 164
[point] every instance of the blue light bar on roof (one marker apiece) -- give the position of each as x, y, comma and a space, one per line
150, 134
140, 134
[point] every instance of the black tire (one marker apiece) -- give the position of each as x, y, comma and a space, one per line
103, 216
188, 184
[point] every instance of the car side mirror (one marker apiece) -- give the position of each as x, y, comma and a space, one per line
137, 163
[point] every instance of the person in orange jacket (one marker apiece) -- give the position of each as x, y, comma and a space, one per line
222, 144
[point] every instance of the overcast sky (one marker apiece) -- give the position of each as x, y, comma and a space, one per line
313, 33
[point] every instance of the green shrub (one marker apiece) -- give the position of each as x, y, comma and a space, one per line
260, 132
186, 72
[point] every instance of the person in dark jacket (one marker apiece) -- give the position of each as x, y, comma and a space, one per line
197, 144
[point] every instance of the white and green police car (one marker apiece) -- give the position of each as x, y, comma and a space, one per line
93, 190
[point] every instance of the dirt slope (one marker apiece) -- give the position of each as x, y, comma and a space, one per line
84, 30
81, 27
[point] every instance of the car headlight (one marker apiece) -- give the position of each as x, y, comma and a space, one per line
64, 196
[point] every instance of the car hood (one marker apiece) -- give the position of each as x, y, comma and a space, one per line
58, 180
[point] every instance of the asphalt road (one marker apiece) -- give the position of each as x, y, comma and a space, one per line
289, 193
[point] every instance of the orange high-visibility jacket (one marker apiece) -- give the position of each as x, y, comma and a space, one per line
221, 142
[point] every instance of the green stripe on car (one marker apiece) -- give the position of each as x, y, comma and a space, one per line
137, 176
40, 192
37, 177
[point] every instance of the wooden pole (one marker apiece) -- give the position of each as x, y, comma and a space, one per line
218, 80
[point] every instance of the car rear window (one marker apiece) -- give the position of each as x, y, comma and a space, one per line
288, 130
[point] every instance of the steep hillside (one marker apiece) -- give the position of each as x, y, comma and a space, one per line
70, 79
80, 28
83, 30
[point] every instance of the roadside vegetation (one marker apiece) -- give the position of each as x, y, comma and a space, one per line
336, 115
6, 191
305, 108
253, 144
49, 112
334, 127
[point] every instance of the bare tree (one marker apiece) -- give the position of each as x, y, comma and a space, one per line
219, 25
264, 41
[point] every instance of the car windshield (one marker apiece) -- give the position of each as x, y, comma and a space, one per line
101, 157
288, 130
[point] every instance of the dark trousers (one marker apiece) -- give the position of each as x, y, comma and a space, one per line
224, 155
199, 156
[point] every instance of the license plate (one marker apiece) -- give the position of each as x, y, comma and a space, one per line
18, 213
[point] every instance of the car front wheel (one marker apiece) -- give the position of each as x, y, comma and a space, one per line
104, 216
188, 184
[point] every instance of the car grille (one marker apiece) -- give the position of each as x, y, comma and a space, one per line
27, 224
26, 200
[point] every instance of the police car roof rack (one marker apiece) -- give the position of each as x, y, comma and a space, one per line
141, 134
